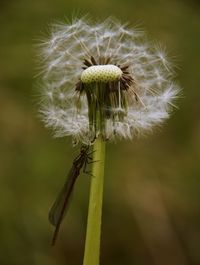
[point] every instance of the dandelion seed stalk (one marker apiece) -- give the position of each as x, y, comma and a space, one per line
103, 81
93, 234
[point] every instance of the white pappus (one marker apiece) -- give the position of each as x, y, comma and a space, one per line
81, 59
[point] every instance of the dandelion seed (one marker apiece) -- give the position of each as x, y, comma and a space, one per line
104, 79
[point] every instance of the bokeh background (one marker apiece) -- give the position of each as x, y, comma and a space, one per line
151, 211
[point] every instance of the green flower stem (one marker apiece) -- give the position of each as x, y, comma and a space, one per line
93, 234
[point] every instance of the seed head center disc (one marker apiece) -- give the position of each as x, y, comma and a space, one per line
101, 73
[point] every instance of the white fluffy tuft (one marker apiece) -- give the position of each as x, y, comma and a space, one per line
63, 56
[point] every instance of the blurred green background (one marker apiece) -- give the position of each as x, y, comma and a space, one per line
151, 211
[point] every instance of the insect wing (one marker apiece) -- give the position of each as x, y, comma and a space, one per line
59, 208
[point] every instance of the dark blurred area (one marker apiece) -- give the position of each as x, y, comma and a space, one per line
151, 211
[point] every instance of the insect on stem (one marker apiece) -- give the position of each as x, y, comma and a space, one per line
59, 208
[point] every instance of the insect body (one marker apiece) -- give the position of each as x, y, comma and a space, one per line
60, 205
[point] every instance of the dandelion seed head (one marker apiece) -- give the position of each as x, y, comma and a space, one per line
137, 75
